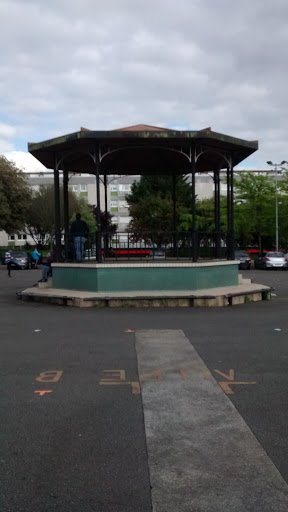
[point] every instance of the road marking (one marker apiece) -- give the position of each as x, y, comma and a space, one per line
206, 374
226, 386
118, 378
183, 374
135, 388
42, 391
49, 376
114, 378
152, 376
230, 376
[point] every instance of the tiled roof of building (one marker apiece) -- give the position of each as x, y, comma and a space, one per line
142, 128
136, 128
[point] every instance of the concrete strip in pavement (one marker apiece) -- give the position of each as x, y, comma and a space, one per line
202, 455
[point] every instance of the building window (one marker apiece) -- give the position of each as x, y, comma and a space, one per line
125, 188
11, 237
83, 188
113, 204
114, 188
124, 220
75, 188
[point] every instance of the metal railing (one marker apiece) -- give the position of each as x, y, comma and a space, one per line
156, 245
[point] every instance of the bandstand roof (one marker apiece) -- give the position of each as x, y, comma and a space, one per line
142, 149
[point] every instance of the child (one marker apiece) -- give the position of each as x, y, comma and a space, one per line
35, 257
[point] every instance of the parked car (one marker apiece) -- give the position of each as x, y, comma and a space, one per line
158, 254
21, 260
244, 258
271, 260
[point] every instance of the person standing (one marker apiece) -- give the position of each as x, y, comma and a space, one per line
79, 231
35, 257
8, 261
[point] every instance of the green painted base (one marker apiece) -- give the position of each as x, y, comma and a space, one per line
160, 277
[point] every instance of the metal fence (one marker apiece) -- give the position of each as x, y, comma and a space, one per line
151, 246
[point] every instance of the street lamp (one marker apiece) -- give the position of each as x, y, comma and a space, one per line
276, 196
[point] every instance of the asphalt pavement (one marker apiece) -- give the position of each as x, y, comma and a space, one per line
75, 438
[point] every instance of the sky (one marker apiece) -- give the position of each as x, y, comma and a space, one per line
185, 64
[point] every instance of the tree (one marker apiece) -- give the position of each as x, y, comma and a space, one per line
41, 213
205, 216
15, 197
255, 199
87, 214
151, 206
107, 225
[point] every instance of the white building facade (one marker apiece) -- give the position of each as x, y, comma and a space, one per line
117, 189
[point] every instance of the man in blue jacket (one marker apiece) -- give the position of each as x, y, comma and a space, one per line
79, 230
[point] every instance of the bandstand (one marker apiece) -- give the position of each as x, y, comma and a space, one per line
144, 150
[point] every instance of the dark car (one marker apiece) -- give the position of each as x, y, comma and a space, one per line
21, 260
158, 254
244, 258
271, 259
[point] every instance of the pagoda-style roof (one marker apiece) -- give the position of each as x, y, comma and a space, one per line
142, 149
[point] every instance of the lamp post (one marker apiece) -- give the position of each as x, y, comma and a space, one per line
276, 197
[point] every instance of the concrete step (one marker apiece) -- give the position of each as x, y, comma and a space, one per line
47, 284
243, 280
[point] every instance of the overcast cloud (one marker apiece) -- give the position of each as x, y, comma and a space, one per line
187, 64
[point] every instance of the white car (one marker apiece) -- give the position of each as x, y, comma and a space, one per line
271, 260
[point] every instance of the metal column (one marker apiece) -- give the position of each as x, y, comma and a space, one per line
194, 233
230, 214
174, 213
66, 212
106, 216
98, 210
57, 211
217, 215
232, 236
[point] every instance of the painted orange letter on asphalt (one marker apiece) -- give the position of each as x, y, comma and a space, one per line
51, 376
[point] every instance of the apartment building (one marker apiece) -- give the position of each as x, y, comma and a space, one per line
117, 189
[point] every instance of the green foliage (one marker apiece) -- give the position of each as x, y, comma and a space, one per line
106, 223
255, 210
86, 214
205, 216
15, 196
244, 226
185, 221
161, 187
41, 215
151, 205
